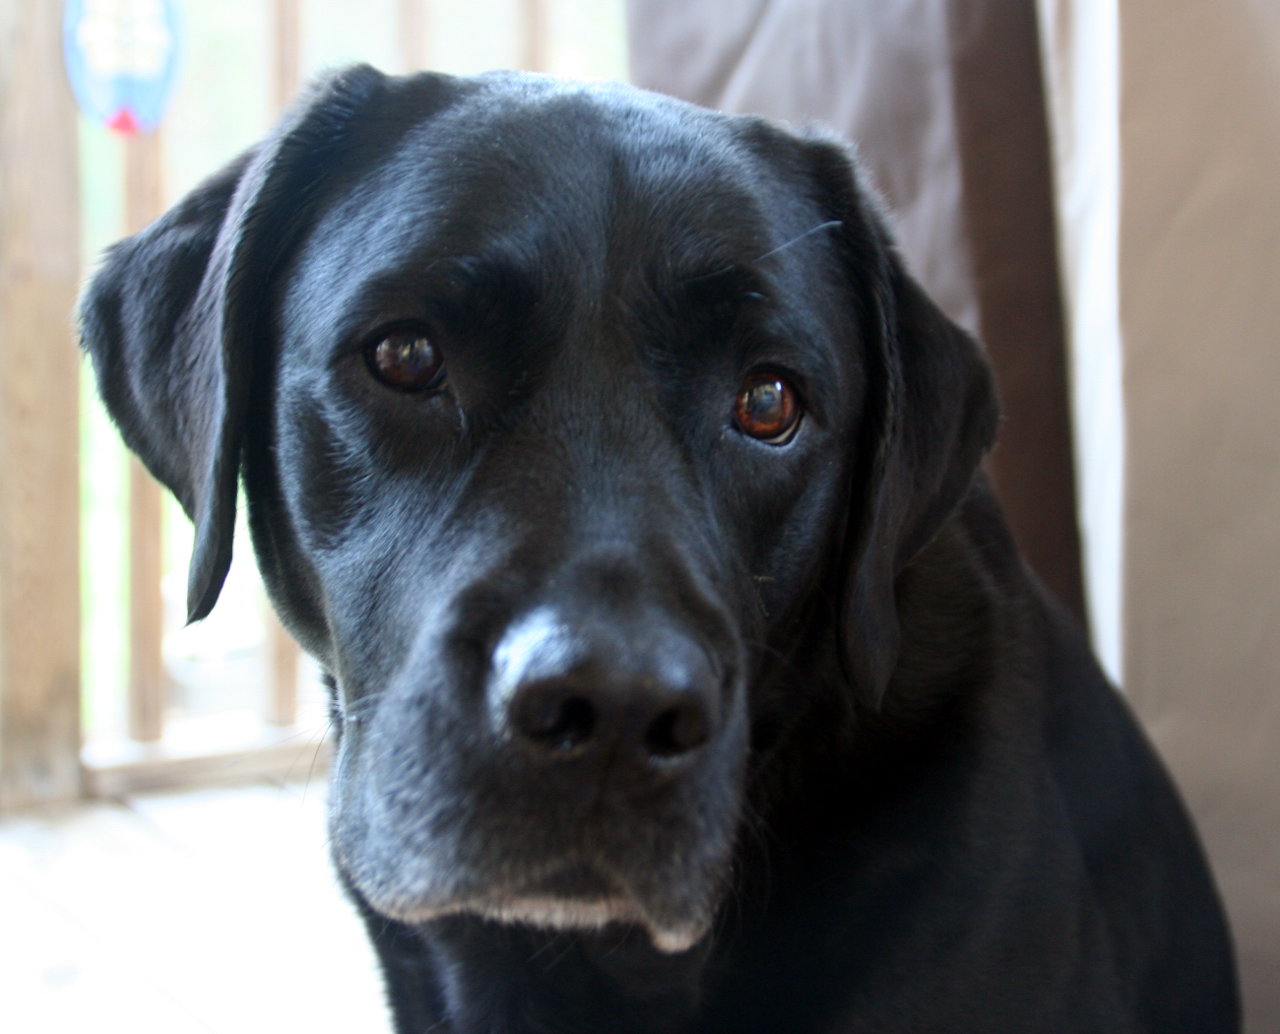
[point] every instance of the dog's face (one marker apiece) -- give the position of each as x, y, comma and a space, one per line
562, 439
561, 409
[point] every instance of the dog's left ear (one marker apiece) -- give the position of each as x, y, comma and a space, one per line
171, 317
931, 414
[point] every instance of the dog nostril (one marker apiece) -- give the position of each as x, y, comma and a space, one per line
555, 722
677, 730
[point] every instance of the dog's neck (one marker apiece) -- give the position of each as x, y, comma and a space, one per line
518, 980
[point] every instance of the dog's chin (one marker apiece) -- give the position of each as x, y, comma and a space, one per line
589, 916
571, 901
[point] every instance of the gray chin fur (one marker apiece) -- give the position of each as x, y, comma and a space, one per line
670, 936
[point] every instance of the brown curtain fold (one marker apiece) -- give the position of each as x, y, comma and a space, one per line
945, 103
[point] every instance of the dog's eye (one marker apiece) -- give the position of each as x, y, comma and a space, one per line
407, 361
767, 408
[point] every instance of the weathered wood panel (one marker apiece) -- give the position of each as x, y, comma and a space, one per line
39, 370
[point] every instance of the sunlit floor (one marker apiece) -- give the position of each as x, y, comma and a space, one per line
211, 911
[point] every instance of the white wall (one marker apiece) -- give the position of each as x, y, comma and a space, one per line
1079, 39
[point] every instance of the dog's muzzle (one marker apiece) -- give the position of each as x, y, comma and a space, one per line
567, 761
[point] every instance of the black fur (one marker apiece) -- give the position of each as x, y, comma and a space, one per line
646, 724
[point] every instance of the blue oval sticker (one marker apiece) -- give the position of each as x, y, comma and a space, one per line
122, 59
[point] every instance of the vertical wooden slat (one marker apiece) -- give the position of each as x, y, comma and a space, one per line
282, 706
288, 50
413, 17
148, 682
148, 685
39, 483
535, 40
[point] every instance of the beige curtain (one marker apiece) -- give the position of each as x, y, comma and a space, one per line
1158, 147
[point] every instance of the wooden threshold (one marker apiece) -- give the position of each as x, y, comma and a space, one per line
209, 753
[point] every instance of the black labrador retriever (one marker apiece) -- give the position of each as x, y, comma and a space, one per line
626, 487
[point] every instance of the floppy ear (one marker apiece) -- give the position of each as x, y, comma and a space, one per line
931, 415
173, 317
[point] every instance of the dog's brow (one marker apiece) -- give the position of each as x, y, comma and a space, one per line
830, 224
730, 279
741, 278
455, 285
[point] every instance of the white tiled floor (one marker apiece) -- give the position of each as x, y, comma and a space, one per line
211, 911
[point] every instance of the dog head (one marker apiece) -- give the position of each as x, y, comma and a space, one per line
563, 414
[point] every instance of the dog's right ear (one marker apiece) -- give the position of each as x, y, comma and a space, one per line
931, 414
174, 316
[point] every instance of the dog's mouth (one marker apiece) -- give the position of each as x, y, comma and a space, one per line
580, 897
575, 897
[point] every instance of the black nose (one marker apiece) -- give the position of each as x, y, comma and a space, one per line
646, 702
582, 710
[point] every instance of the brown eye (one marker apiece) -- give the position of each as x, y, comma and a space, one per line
767, 408
407, 361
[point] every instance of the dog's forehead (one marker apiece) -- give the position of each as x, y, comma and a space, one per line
523, 136
587, 176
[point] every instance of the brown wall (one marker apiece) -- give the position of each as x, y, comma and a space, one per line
1200, 324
